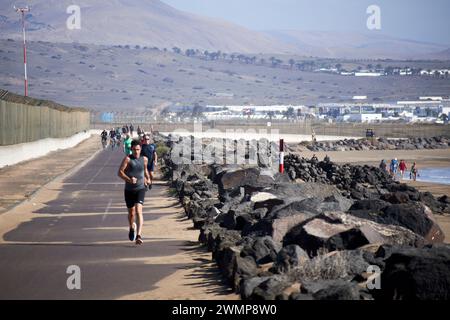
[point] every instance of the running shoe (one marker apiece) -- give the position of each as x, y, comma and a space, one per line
139, 240
132, 233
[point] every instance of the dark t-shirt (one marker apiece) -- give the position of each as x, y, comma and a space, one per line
148, 150
135, 169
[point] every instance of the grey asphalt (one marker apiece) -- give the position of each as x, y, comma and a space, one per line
88, 230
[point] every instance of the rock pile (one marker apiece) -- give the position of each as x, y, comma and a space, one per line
360, 182
316, 232
440, 142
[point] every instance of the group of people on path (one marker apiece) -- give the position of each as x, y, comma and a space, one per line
115, 137
398, 169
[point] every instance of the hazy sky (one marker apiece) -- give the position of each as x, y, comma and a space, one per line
424, 20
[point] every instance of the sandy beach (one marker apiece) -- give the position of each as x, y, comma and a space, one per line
424, 158
439, 158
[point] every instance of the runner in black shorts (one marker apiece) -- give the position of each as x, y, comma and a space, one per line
134, 171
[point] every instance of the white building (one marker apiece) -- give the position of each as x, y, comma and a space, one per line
362, 117
368, 74
446, 110
433, 72
431, 98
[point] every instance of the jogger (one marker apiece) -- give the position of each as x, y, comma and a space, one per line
133, 170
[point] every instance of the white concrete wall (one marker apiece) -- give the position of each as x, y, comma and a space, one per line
16, 153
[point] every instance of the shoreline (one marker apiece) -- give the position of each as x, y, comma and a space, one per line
437, 158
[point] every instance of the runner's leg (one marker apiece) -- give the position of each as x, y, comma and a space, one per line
140, 218
131, 216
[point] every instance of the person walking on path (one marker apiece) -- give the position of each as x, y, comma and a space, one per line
402, 166
149, 151
133, 170
394, 167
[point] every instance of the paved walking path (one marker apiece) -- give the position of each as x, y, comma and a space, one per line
80, 219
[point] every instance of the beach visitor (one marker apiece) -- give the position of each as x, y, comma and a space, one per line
414, 172
394, 167
402, 166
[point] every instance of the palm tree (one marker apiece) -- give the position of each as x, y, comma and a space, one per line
289, 113
270, 114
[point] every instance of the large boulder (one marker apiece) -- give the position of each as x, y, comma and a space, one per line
340, 231
270, 288
332, 290
416, 274
234, 267
319, 233
250, 177
414, 216
290, 257
248, 285
262, 249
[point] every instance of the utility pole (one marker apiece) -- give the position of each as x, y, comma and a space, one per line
23, 10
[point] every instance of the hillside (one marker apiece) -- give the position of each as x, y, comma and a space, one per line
134, 22
153, 23
126, 78
329, 44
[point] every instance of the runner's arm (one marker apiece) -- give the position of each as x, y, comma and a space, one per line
155, 157
123, 167
147, 175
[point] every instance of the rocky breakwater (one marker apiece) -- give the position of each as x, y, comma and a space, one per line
440, 142
318, 231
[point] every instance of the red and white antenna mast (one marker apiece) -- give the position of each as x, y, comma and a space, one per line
23, 10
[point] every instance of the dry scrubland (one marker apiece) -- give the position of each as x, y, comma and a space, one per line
105, 78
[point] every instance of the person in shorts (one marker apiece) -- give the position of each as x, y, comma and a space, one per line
133, 170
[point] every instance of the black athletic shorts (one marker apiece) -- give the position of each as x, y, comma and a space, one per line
134, 197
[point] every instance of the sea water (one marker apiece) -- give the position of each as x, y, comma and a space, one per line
433, 175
